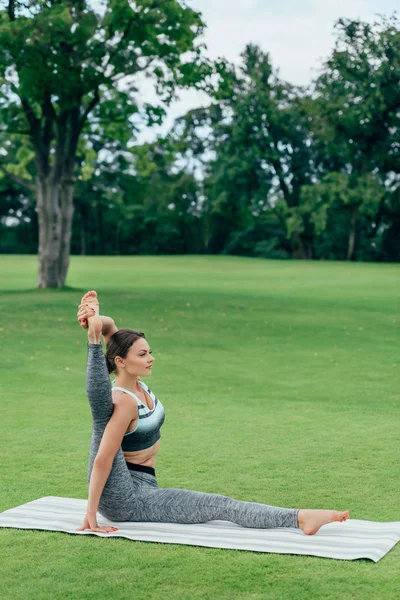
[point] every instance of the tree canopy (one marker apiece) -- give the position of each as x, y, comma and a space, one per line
265, 169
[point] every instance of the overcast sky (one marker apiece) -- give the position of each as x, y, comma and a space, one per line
298, 34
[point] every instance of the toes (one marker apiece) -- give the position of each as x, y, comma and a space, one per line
87, 299
90, 296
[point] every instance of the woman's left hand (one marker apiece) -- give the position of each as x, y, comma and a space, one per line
84, 312
91, 523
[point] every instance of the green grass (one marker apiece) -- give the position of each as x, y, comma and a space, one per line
280, 381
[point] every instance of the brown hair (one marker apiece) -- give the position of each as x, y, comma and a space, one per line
119, 344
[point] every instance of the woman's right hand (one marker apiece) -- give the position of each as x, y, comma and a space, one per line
84, 312
91, 524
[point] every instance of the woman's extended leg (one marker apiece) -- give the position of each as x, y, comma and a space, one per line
187, 506
169, 505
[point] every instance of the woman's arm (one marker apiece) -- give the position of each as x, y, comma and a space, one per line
109, 328
98, 480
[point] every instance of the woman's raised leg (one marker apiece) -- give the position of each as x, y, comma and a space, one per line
98, 387
119, 491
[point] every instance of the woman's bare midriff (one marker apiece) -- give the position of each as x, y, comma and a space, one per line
146, 457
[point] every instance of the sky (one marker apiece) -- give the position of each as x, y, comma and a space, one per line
298, 34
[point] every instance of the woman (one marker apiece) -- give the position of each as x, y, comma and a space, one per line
126, 438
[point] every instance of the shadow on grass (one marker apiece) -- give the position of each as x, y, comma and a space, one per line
65, 288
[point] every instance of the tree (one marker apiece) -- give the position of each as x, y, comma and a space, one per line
359, 195
355, 120
141, 202
261, 155
68, 72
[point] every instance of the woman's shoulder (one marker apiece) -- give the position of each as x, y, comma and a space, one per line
119, 393
122, 399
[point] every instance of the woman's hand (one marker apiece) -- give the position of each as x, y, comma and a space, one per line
90, 522
84, 312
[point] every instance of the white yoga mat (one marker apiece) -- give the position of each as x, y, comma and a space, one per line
347, 541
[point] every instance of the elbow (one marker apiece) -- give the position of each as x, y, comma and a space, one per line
103, 462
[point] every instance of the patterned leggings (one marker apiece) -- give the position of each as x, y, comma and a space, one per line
135, 495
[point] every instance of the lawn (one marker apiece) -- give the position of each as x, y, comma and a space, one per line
280, 381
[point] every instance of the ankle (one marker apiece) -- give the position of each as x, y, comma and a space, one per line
300, 519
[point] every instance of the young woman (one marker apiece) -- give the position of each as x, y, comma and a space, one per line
126, 437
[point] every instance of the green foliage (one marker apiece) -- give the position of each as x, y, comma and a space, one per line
268, 169
150, 212
23, 157
298, 153
61, 63
260, 145
357, 96
363, 192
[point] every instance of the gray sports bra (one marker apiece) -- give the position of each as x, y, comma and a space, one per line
147, 430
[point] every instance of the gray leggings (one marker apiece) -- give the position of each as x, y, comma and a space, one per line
135, 495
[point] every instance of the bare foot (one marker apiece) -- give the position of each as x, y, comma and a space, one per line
92, 300
311, 520
90, 309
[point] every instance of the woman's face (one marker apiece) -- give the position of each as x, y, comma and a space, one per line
138, 361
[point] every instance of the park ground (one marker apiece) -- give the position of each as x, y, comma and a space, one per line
280, 381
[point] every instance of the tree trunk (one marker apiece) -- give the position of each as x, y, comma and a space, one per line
302, 251
352, 233
83, 238
99, 233
205, 232
55, 209
84, 230
117, 236
67, 213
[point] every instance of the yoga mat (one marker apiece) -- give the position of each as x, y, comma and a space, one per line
346, 541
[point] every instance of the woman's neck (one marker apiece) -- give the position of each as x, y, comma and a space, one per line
129, 382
